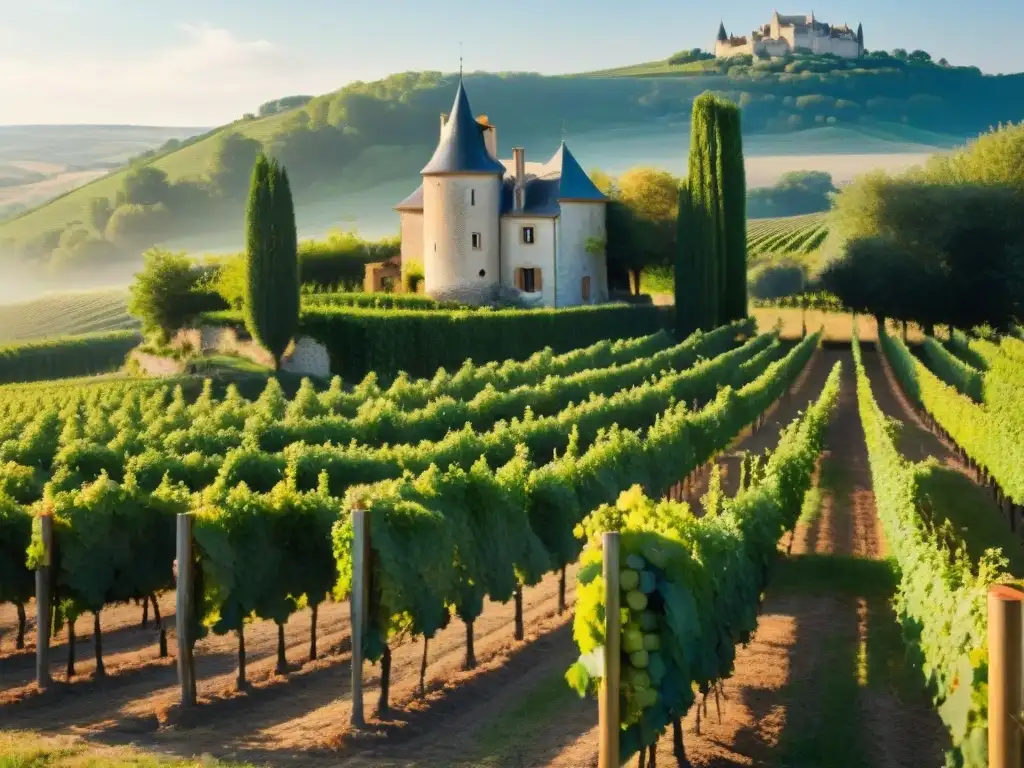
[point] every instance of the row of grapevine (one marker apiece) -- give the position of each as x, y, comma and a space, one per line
470, 380
692, 586
430, 533
941, 601
80, 446
309, 454
337, 401
108, 516
991, 441
952, 369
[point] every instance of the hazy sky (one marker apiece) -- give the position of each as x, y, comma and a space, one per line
205, 62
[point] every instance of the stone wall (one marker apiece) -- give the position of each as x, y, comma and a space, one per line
308, 357
155, 365
305, 356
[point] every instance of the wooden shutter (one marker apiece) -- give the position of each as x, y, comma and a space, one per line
586, 288
537, 285
519, 278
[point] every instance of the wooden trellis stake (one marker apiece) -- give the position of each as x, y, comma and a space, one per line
608, 697
357, 604
184, 579
43, 603
1005, 678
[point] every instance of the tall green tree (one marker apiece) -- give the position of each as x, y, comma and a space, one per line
687, 304
699, 256
272, 272
733, 196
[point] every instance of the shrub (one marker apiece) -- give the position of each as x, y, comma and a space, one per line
341, 259
775, 281
133, 226
168, 292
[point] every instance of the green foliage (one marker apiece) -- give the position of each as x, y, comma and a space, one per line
66, 357
100, 212
112, 543
17, 582
794, 194
376, 300
939, 245
419, 561
168, 292
704, 273
421, 341
732, 181
134, 226
232, 164
640, 220
951, 369
712, 263
776, 281
144, 185
698, 582
989, 433
942, 598
123, 458
271, 299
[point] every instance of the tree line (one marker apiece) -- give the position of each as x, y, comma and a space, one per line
939, 245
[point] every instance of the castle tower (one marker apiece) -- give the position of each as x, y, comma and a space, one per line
461, 210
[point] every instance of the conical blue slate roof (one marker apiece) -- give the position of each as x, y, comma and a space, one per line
574, 183
462, 148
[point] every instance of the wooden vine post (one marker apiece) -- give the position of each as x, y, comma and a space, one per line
1005, 678
608, 697
184, 579
44, 613
360, 582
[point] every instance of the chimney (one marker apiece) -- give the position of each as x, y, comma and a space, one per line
519, 161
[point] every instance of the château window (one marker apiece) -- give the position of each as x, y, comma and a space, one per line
528, 279
477, 240
586, 288
528, 235
472, 197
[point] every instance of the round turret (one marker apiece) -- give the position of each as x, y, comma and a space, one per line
462, 186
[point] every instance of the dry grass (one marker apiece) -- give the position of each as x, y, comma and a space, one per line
838, 326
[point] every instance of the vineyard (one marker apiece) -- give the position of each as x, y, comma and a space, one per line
65, 314
486, 493
794, 236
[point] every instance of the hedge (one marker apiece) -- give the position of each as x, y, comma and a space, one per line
419, 342
376, 300
66, 357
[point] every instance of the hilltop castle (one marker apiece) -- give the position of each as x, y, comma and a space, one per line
486, 229
792, 34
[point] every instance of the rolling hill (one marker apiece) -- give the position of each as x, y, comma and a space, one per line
353, 153
41, 162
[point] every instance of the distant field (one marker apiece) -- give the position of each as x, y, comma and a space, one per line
189, 162
41, 162
65, 314
796, 237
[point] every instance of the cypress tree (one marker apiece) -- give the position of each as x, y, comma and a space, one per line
687, 320
733, 186
704, 212
271, 312
286, 266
